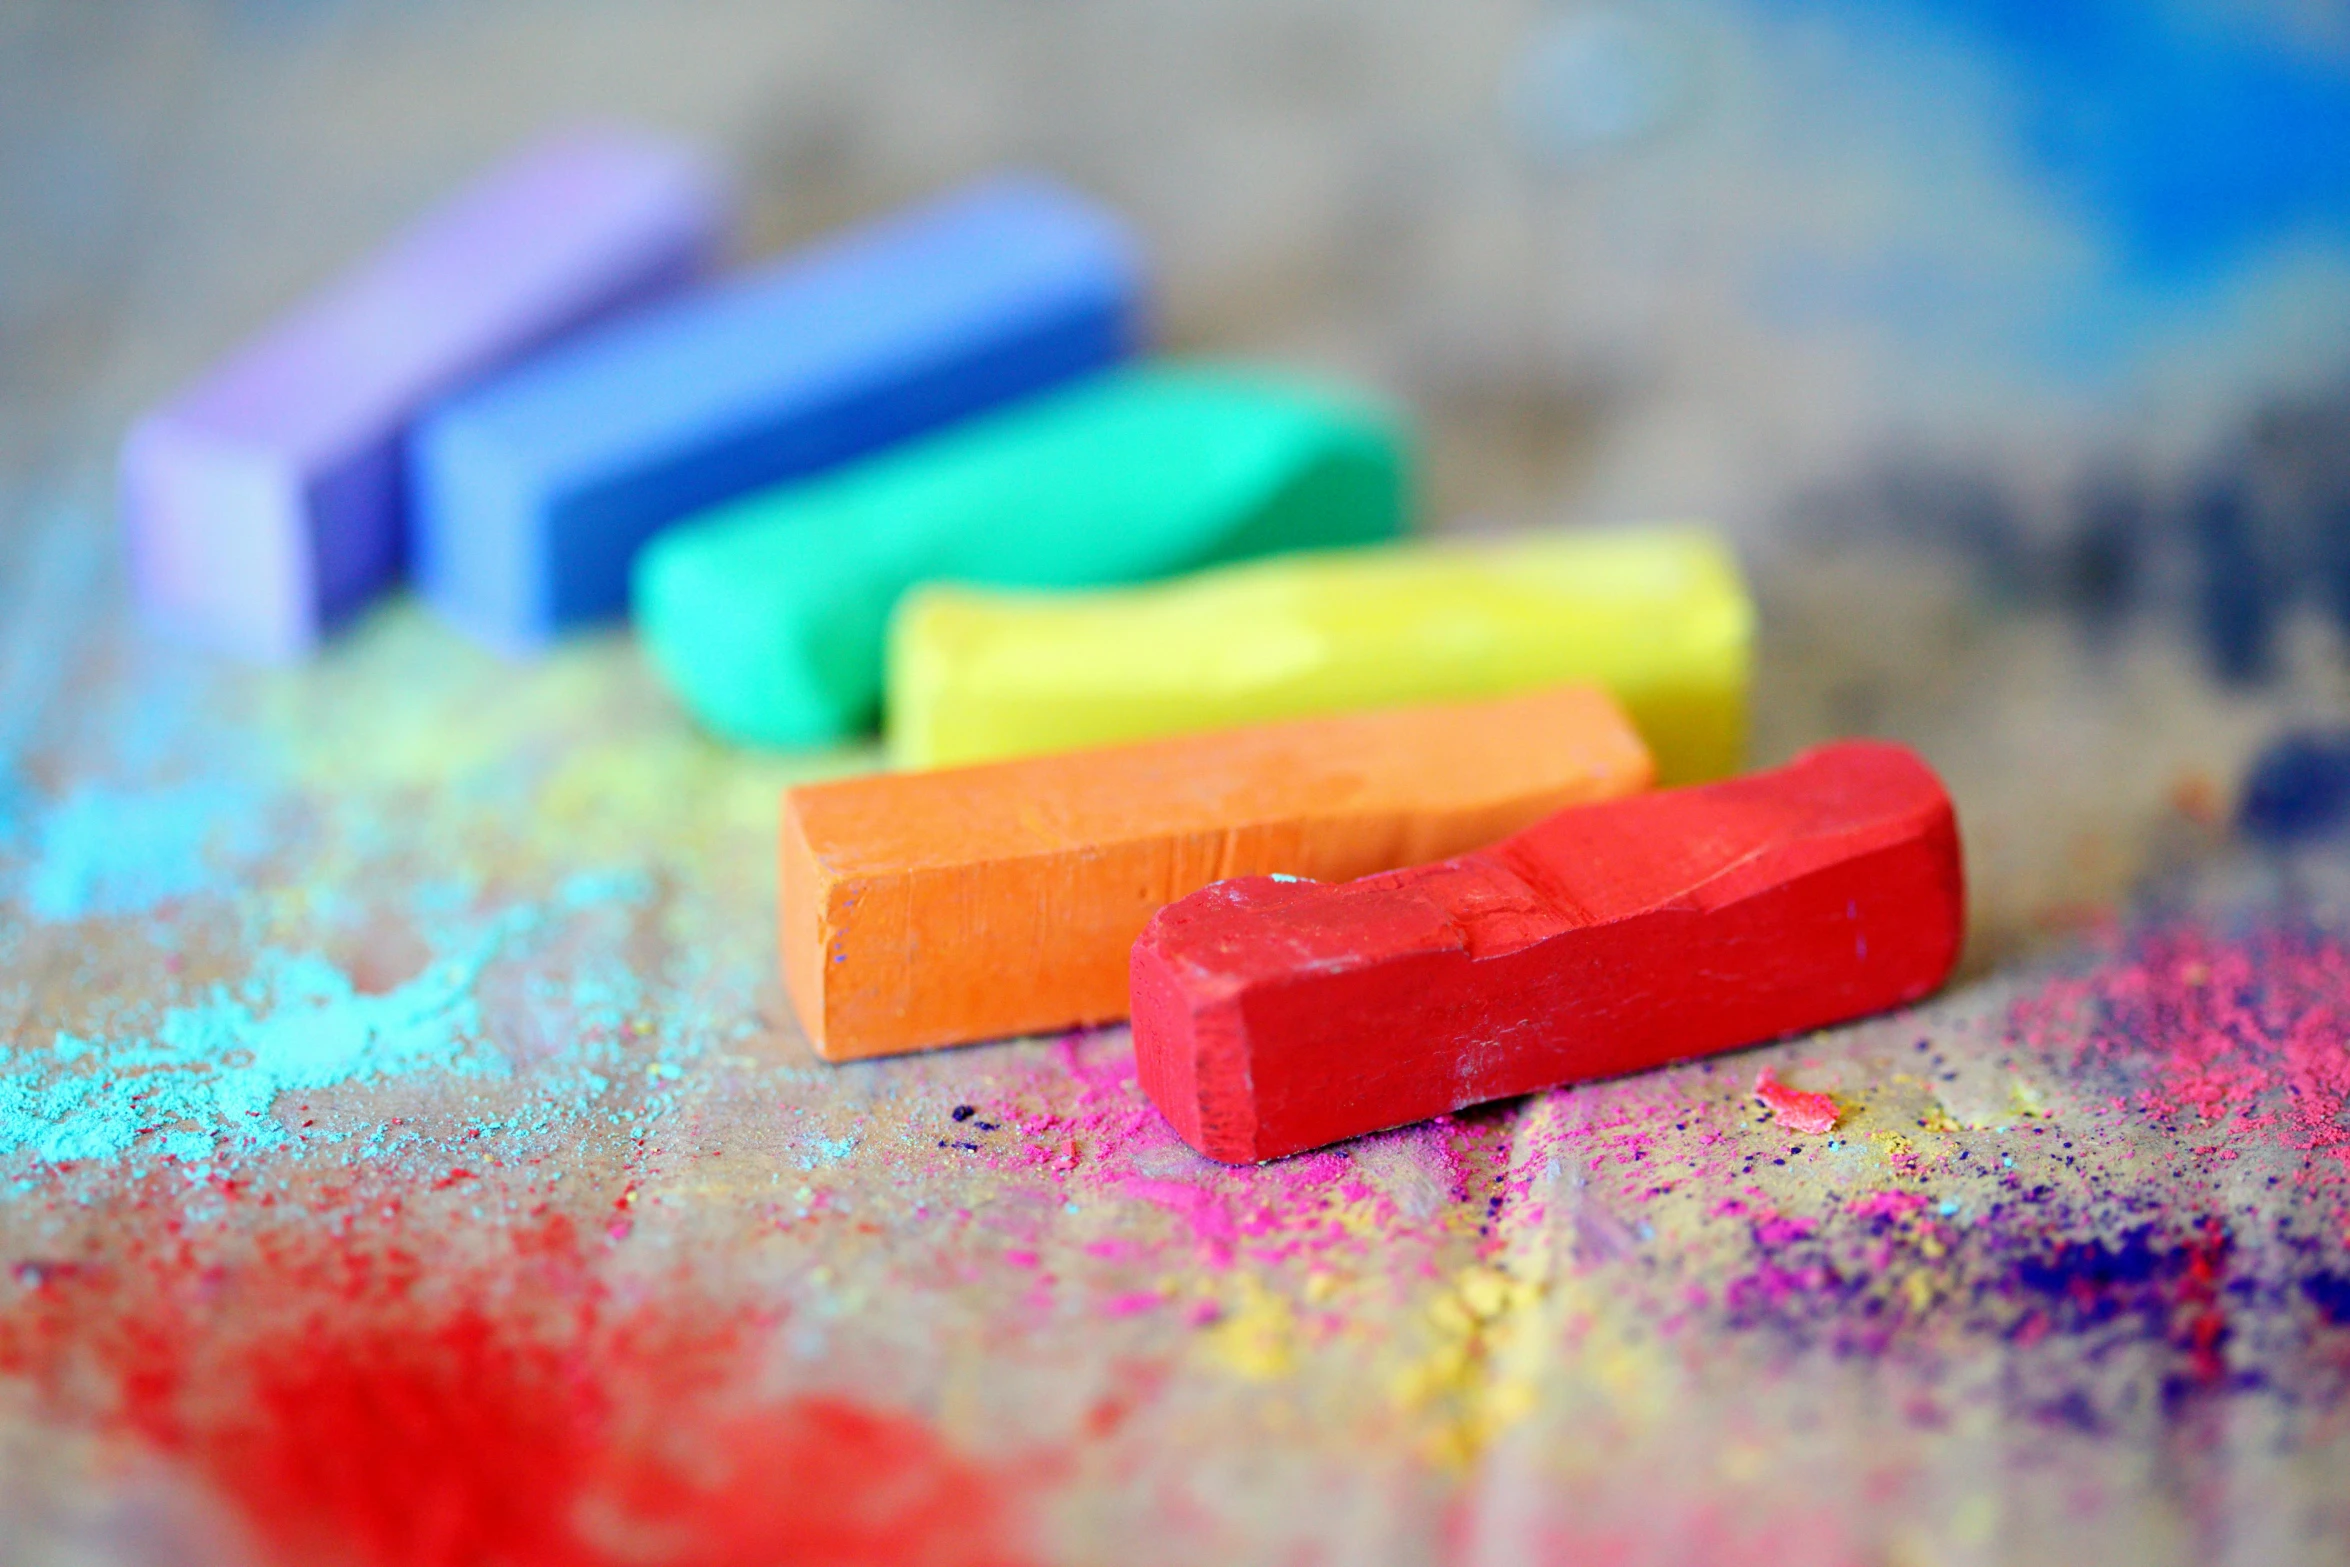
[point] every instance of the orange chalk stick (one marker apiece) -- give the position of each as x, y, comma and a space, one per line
926, 909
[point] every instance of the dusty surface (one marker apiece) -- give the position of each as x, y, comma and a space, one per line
407, 1156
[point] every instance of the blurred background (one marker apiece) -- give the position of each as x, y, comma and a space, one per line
2010, 339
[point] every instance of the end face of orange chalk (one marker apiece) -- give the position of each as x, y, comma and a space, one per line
928, 909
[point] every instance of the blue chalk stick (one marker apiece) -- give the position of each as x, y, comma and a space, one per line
534, 492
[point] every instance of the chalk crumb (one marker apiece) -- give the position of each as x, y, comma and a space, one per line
1796, 1109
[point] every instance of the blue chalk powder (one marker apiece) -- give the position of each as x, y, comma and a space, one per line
107, 852
207, 1078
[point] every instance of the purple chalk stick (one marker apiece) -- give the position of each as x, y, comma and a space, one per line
267, 502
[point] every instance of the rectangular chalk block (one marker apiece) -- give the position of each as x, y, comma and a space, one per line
1660, 617
1275, 1016
923, 909
268, 502
770, 616
535, 492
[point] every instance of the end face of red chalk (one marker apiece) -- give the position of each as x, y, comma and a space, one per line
1275, 1016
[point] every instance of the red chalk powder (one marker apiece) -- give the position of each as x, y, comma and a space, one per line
358, 1404
1797, 1109
2201, 1030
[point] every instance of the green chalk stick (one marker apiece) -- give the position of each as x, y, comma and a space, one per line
770, 615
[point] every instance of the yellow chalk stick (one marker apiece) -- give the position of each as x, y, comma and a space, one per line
1658, 616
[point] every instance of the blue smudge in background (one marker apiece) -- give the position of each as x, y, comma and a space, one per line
2193, 134
2298, 788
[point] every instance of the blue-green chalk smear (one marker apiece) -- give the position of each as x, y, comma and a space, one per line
109, 852
821, 1151
208, 1077
205, 1083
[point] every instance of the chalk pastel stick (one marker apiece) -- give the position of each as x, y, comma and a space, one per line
1271, 1016
535, 492
770, 616
1659, 617
924, 909
267, 502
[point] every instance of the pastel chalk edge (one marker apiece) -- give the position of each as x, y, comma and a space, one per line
1272, 1017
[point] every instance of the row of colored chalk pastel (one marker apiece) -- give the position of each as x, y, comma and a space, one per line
517, 393
501, 403
1275, 907
457, 397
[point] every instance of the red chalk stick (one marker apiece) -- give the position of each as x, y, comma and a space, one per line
1272, 1016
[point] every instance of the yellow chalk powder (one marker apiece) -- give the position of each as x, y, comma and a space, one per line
1469, 1380
1258, 1336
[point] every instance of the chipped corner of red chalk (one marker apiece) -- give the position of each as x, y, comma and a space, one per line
1797, 1109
